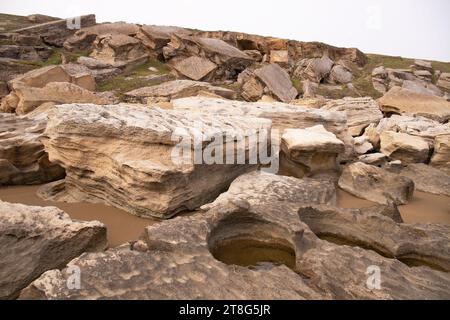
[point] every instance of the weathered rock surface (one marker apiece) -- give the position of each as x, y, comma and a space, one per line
22, 156
426, 178
376, 184
58, 84
157, 37
283, 116
278, 82
375, 159
309, 151
362, 145
84, 38
444, 81
360, 112
340, 75
403, 101
441, 155
127, 156
315, 70
419, 244
176, 89
179, 258
195, 68
36, 239
404, 147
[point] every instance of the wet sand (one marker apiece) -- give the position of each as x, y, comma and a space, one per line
121, 226
424, 208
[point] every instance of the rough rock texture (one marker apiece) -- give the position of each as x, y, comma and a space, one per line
419, 244
375, 159
157, 37
360, 112
444, 81
283, 116
278, 82
176, 89
119, 50
176, 259
310, 151
426, 178
83, 38
315, 70
362, 145
58, 84
404, 147
36, 239
195, 68
403, 101
441, 156
340, 75
22, 156
376, 184
125, 156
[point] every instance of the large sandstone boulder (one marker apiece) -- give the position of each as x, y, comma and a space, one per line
119, 50
340, 75
404, 147
403, 101
376, 184
84, 38
157, 37
36, 239
426, 178
444, 81
220, 254
309, 151
139, 159
360, 112
278, 82
22, 156
441, 155
176, 89
315, 70
195, 68
57, 84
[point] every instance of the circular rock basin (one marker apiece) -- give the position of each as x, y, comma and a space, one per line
248, 242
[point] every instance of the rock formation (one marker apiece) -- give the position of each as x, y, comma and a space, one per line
36, 239
376, 184
130, 157
22, 156
404, 147
441, 156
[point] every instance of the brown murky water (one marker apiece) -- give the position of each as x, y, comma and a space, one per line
121, 226
424, 208
254, 254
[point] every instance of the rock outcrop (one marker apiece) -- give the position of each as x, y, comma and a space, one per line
22, 156
36, 239
179, 258
57, 84
277, 82
310, 151
404, 147
441, 155
403, 101
376, 184
361, 112
139, 159
176, 89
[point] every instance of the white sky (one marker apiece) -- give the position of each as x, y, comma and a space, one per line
409, 28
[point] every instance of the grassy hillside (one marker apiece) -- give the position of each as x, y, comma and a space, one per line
9, 22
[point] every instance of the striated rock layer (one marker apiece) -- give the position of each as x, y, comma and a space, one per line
127, 156
36, 239
182, 258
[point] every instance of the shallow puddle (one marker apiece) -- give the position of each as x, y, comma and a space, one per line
121, 226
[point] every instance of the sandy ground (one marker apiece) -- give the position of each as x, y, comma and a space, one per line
123, 227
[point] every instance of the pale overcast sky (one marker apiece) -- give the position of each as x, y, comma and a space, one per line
409, 28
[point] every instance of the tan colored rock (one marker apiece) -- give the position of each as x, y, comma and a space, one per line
195, 68
136, 148
340, 75
375, 184
279, 56
404, 147
315, 69
83, 38
403, 101
157, 37
36, 239
22, 156
310, 151
252, 90
444, 81
361, 112
441, 156
362, 145
119, 50
278, 82
176, 89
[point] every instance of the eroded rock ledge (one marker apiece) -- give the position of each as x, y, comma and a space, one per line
182, 259
122, 155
